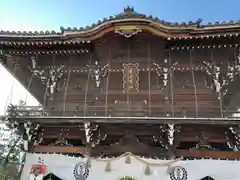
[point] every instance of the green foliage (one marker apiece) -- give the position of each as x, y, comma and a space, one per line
8, 172
14, 156
13, 151
127, 178
10, 159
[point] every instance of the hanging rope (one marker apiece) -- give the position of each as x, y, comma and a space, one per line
66, 88
9, 97
194, 84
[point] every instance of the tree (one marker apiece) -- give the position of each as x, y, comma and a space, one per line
11, 158
8, 172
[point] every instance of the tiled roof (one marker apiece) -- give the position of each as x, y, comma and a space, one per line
129, 15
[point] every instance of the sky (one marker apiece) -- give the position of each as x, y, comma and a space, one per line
51, 14
31, 15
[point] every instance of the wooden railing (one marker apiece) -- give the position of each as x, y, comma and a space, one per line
124, 111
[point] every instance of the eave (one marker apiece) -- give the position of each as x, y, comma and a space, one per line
167, 31
41, 43
44, 47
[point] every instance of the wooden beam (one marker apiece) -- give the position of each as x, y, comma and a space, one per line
59, 129
56, 136
58, 149
178, 153
196, 139
207, 154
125, 120
63, 126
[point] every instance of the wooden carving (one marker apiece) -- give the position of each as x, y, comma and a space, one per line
163, 71
127, 31
203, 143
219, 77
94, 134
232, 138
61, 141
97, 72
49, 77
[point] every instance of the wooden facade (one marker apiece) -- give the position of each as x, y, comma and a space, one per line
130, 83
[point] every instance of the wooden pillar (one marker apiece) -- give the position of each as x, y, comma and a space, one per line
170, 153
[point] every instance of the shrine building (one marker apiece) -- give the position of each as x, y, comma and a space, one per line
130, 97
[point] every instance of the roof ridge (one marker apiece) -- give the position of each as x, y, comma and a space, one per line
128, 13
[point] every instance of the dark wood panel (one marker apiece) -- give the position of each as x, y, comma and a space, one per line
58, 149
207, 154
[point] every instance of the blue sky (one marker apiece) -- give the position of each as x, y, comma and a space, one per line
25, 15
51, 14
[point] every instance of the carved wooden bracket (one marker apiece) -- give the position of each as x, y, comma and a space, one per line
50, 78
177, 140
218, 77
128, 31
163, 71
31, 132
97, 72
129, 143
203, 143
233, 138
161, 136
61, 141
94, 134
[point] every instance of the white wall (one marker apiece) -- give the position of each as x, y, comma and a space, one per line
63, 166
